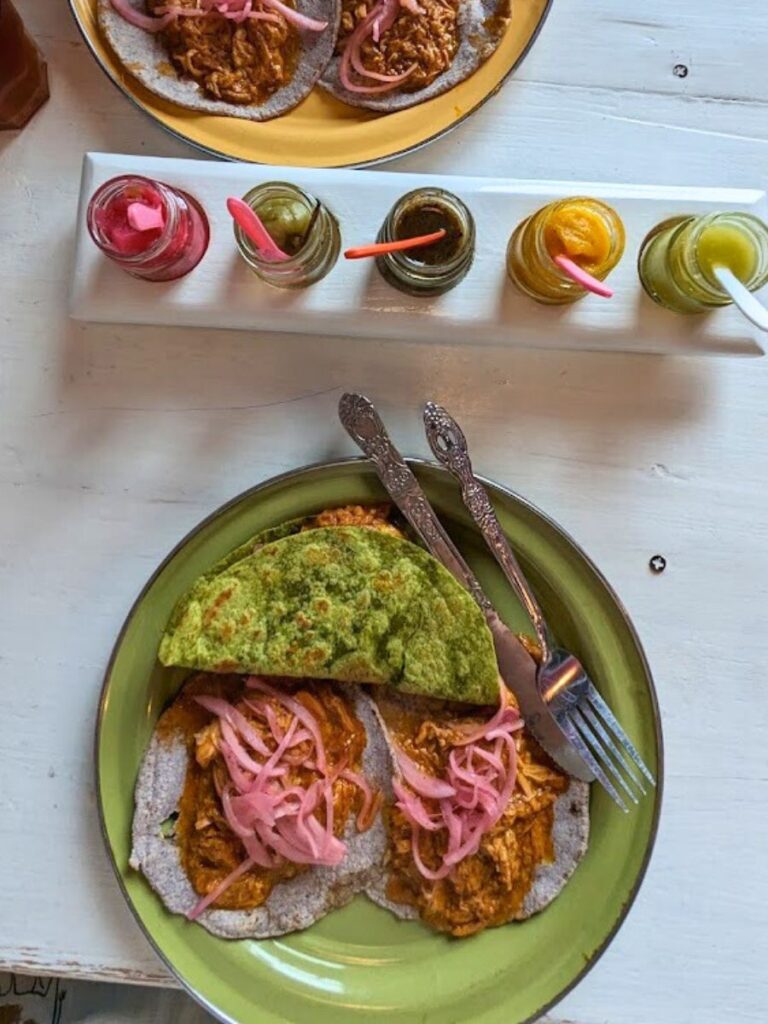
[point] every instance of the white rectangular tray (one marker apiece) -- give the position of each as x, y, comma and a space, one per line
353, 300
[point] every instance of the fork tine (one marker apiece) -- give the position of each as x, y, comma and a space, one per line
602, 708
575, 737
586, 709
602, 754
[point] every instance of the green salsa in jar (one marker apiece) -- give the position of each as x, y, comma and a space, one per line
301, 226
287, 221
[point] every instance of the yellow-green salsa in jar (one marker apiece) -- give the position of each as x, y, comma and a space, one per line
678, 258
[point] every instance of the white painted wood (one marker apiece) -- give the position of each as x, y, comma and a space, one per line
115, 440
354, 300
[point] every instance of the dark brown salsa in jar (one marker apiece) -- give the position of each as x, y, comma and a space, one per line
437, 267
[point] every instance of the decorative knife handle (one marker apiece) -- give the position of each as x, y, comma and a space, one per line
363, 424
447, 441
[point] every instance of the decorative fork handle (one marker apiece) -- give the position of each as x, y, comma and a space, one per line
449, 445
363, 424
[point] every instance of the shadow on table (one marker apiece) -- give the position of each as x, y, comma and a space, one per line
222, 390
157, 416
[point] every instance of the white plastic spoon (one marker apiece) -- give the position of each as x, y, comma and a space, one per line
753, 310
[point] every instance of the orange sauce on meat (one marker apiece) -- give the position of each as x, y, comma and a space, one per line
377, 517
489, 887
209, 850
241, 63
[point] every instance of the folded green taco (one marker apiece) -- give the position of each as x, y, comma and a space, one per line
345, 603
254, 59
393, 54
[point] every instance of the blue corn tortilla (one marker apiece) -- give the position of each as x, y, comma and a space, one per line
482, 24
145, 56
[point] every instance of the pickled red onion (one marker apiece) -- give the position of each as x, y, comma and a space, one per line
243, 780
371, 800
420, 782
222, 887
277, 822
223, 709
234, 10
297, 709
377, 21
469, 800
239, 752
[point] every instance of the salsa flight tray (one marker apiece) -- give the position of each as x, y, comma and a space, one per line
484, 272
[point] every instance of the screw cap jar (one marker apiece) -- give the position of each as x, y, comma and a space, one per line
677, 259
585, 230
301, 226
164, 252
430, 269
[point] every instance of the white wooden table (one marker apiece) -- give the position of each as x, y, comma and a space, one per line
114, 441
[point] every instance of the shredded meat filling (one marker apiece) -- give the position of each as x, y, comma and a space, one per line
239, 63
209, 850
488, 888
429, 40
377, 517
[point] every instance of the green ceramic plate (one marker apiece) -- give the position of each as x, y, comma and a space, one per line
360, 963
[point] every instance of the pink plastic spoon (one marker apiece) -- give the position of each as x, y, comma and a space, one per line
574, 271
251, 225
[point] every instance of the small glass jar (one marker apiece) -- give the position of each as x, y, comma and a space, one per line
435, 269
159, 254
318, 251
535, 242
677, 258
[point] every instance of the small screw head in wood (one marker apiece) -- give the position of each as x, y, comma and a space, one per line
680, 71
657, 564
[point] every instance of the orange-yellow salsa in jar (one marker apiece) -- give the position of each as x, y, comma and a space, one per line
585, 230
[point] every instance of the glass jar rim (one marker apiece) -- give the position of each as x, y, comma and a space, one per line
613, 222
751, 226
169, 196
315, 207
403, 261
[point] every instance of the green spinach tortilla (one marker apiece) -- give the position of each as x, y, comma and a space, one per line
343, 603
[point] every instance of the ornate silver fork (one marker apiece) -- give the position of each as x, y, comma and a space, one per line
563, 681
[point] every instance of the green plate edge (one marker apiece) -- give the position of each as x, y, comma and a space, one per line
359, 961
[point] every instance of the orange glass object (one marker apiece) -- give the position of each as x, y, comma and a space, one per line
23, 71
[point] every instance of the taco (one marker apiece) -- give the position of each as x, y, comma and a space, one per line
258, 853
482, 828
393, 54
268, 797
344, 603
254, 59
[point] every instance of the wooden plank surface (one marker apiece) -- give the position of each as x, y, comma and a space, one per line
116, 440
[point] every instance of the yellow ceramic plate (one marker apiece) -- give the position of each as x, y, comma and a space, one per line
322, 132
